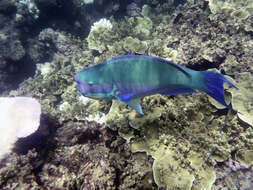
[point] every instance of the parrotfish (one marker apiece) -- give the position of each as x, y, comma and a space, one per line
130, 77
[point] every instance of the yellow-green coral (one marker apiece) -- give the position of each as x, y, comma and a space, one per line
142, 27
101, 35
134, 45
172, 169
245, 157
240, 11
158, 47
242, 99
241, 8
182, 136
118, 40
167, 172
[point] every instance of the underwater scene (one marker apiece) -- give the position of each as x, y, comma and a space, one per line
126, 94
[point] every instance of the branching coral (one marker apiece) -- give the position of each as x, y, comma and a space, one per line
100, 35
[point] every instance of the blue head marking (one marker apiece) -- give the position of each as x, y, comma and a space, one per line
92, 89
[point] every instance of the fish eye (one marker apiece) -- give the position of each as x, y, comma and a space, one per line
89, 83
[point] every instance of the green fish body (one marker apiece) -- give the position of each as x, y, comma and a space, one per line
131, 77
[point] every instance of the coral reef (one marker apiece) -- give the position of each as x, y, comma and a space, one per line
240, 11
22, 20
26, 8
156, 141
242, 99
182, 142
231, 174
100, 35
219, 6
17, 121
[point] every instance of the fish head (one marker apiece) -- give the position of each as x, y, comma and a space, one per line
92, 84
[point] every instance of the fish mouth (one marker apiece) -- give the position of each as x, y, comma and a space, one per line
81, 86
77, 78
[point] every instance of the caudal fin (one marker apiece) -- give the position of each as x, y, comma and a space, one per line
214, 86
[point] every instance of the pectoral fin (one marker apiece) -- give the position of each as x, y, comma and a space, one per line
135, 104
132, 103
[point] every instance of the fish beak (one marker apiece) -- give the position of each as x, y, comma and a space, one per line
80, 85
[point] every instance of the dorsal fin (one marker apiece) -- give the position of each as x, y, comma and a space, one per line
181, 68
131, 56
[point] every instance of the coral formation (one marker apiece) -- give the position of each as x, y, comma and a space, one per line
237, 6
190, 140
26, 8
141, 27
240, 11
245, 157
181, 142
242, 99
231, 173
134, 45
19, 117
100, 35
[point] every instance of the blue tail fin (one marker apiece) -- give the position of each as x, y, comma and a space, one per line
214, 86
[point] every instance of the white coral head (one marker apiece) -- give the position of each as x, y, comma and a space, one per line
102, 23
88, 1
19, 117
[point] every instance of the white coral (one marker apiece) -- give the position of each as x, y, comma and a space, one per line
45, 68
88, 1
102, 23
19, 117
